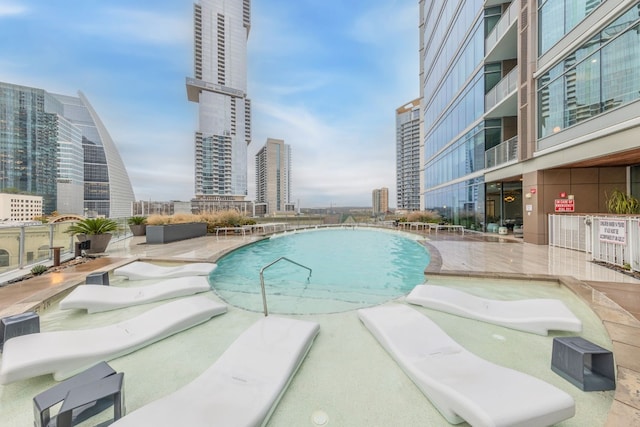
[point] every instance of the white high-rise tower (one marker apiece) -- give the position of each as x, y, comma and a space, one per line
219, 86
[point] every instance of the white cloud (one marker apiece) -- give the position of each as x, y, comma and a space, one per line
332, 162
140, 27
8, 8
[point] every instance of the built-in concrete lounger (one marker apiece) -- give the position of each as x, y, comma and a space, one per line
242, 387
537, 316
139, 270
96, 298
65, 353
461, 385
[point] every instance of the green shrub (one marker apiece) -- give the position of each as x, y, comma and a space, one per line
92, 226
38, 269
622, 203
137, 220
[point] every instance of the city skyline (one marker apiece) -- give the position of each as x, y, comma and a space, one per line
324, 77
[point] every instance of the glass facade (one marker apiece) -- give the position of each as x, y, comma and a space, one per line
70, 168
635, 181
557, 17
454, 95
107, 189
28, 144
602, 74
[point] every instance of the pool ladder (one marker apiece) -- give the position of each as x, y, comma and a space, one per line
264, 295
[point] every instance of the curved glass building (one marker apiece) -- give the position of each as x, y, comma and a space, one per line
56, 146
107, 188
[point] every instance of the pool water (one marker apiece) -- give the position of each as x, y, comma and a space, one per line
350, 268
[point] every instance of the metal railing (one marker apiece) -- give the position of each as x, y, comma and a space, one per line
505, 152
502, 26
27, 245
611, 239
502, 90
264, 294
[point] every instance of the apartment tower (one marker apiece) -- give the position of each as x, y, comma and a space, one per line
219, 86
380, 201
526, 102
273, 178
408, 156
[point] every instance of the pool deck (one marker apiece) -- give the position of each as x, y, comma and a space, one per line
613, 296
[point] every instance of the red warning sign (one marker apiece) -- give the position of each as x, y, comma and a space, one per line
564, 205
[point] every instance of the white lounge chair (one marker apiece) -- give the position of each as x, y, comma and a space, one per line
65, 353
461, 385
242, 387
96, 298
537, 316
139, 270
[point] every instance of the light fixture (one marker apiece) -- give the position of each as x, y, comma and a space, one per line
509, 198
528, 195
556, 129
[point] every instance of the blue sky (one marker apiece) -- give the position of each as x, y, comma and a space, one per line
324, 75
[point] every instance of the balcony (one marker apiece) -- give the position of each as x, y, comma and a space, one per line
501, 43
502, 100
503, 153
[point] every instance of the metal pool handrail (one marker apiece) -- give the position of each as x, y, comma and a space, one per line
264, 295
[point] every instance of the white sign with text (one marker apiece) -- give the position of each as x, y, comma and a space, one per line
613, 231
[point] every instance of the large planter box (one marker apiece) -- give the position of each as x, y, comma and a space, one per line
97, 242
174, 232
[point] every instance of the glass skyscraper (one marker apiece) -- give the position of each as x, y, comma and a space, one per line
56, 146
219, 86
107, 188
28, 144
524, 102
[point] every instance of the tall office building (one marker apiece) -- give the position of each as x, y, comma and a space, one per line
380, 201
28, 143
107, 188
55, 146
408, 156
219, 86
273, 178
525, 102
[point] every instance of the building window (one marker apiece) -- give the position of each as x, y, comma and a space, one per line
4, 258
601, 75
557, 17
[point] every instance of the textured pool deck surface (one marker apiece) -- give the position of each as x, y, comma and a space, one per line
613, 296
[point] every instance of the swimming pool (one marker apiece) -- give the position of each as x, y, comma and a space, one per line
350, 268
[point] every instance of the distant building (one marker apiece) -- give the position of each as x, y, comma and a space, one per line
146, 208
273, 178
107, 188
219, 86
56, 147
408, 156
19, 207
380, 201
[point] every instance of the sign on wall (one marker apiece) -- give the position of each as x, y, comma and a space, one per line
564, 205
613, 231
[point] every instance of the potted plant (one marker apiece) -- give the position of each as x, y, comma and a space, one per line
138, 225
95, 230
